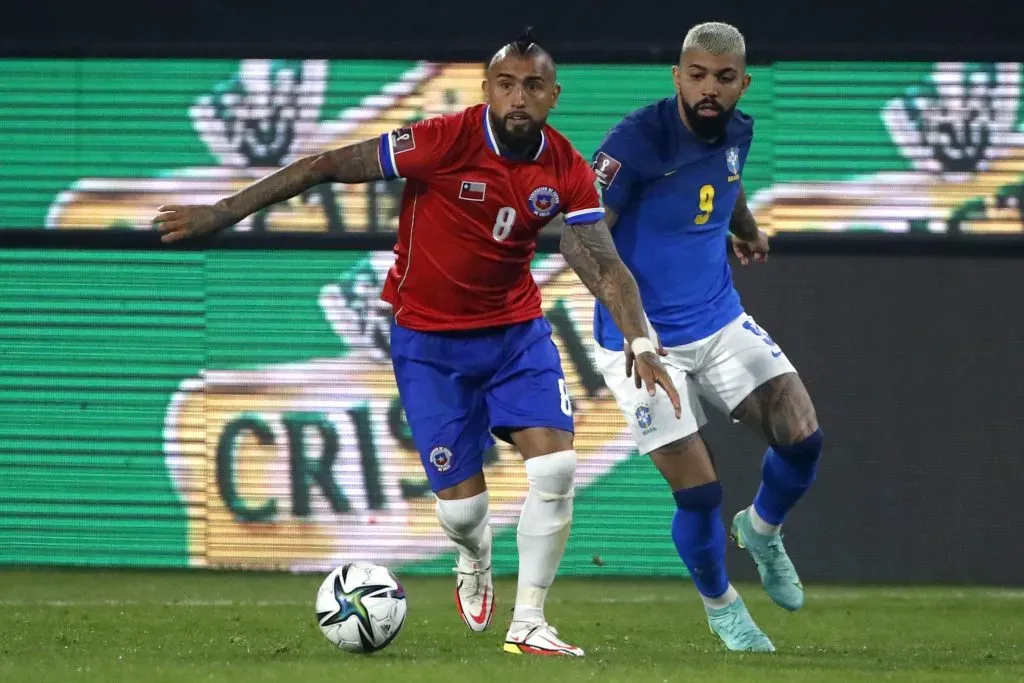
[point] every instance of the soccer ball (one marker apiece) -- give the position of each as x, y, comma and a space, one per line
361, 607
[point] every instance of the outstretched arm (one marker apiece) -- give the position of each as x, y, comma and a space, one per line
590, 252
356, 163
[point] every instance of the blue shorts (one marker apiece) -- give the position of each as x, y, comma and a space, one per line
460, 388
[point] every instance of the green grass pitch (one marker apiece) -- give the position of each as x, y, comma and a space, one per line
156, 627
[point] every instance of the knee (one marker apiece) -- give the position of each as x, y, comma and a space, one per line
799, 427
701, 498
549, 502
552, 476
461, 517
813, 442
807, 428
808, 449
459, 526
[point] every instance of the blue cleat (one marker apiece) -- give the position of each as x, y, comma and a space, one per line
778, 575
737, 629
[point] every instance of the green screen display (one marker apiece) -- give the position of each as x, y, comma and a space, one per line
238, 409
879, 146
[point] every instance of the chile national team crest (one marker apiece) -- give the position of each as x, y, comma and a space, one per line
544, 201
732, 162
441, 458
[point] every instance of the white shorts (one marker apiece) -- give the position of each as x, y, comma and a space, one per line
723, 368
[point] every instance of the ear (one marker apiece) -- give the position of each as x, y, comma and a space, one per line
557, 93
486, 91
676, 75
746, 83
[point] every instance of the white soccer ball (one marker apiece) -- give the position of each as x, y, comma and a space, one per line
361, 607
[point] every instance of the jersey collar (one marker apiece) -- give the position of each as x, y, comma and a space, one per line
492, 141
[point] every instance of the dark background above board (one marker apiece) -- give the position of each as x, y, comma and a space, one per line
573, 30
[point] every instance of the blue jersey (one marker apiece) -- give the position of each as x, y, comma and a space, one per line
674, 194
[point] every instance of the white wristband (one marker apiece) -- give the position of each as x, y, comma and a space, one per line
642, 345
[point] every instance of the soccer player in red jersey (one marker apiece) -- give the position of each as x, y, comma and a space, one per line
471, 350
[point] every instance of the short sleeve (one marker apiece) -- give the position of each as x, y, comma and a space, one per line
415, 151
583, 203
617, 175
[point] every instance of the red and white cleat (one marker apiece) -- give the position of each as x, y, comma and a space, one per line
525, 638
474, 594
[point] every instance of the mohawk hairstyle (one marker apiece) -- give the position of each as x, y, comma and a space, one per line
523, 46
524, 42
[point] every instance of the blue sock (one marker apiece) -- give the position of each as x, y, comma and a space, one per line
786, 474
699, 535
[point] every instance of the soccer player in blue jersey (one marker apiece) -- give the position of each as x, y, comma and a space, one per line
671, 175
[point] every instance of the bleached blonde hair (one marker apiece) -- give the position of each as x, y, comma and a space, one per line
716, 38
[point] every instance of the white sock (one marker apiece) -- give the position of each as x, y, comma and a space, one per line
723, 600
760, 526
466, 522
543, 530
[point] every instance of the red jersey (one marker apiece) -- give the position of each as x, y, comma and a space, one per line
469, 220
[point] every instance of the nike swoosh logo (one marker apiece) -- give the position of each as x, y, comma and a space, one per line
482, 617
669, 173
552, 644
776, 354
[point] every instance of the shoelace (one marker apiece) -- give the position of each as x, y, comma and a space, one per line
542, 626
470, 580
747, 633
776, 559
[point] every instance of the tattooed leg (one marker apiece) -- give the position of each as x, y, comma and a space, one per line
782, 412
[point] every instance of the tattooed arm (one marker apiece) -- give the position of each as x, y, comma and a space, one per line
356, 163
590, 252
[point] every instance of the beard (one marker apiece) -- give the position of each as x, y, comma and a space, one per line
707, 127
517, 136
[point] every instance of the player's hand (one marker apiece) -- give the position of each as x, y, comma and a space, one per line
752, 251
178, 222
650, 372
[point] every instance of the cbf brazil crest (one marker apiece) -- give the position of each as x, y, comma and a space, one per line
644, 420
544, 201
732, 162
